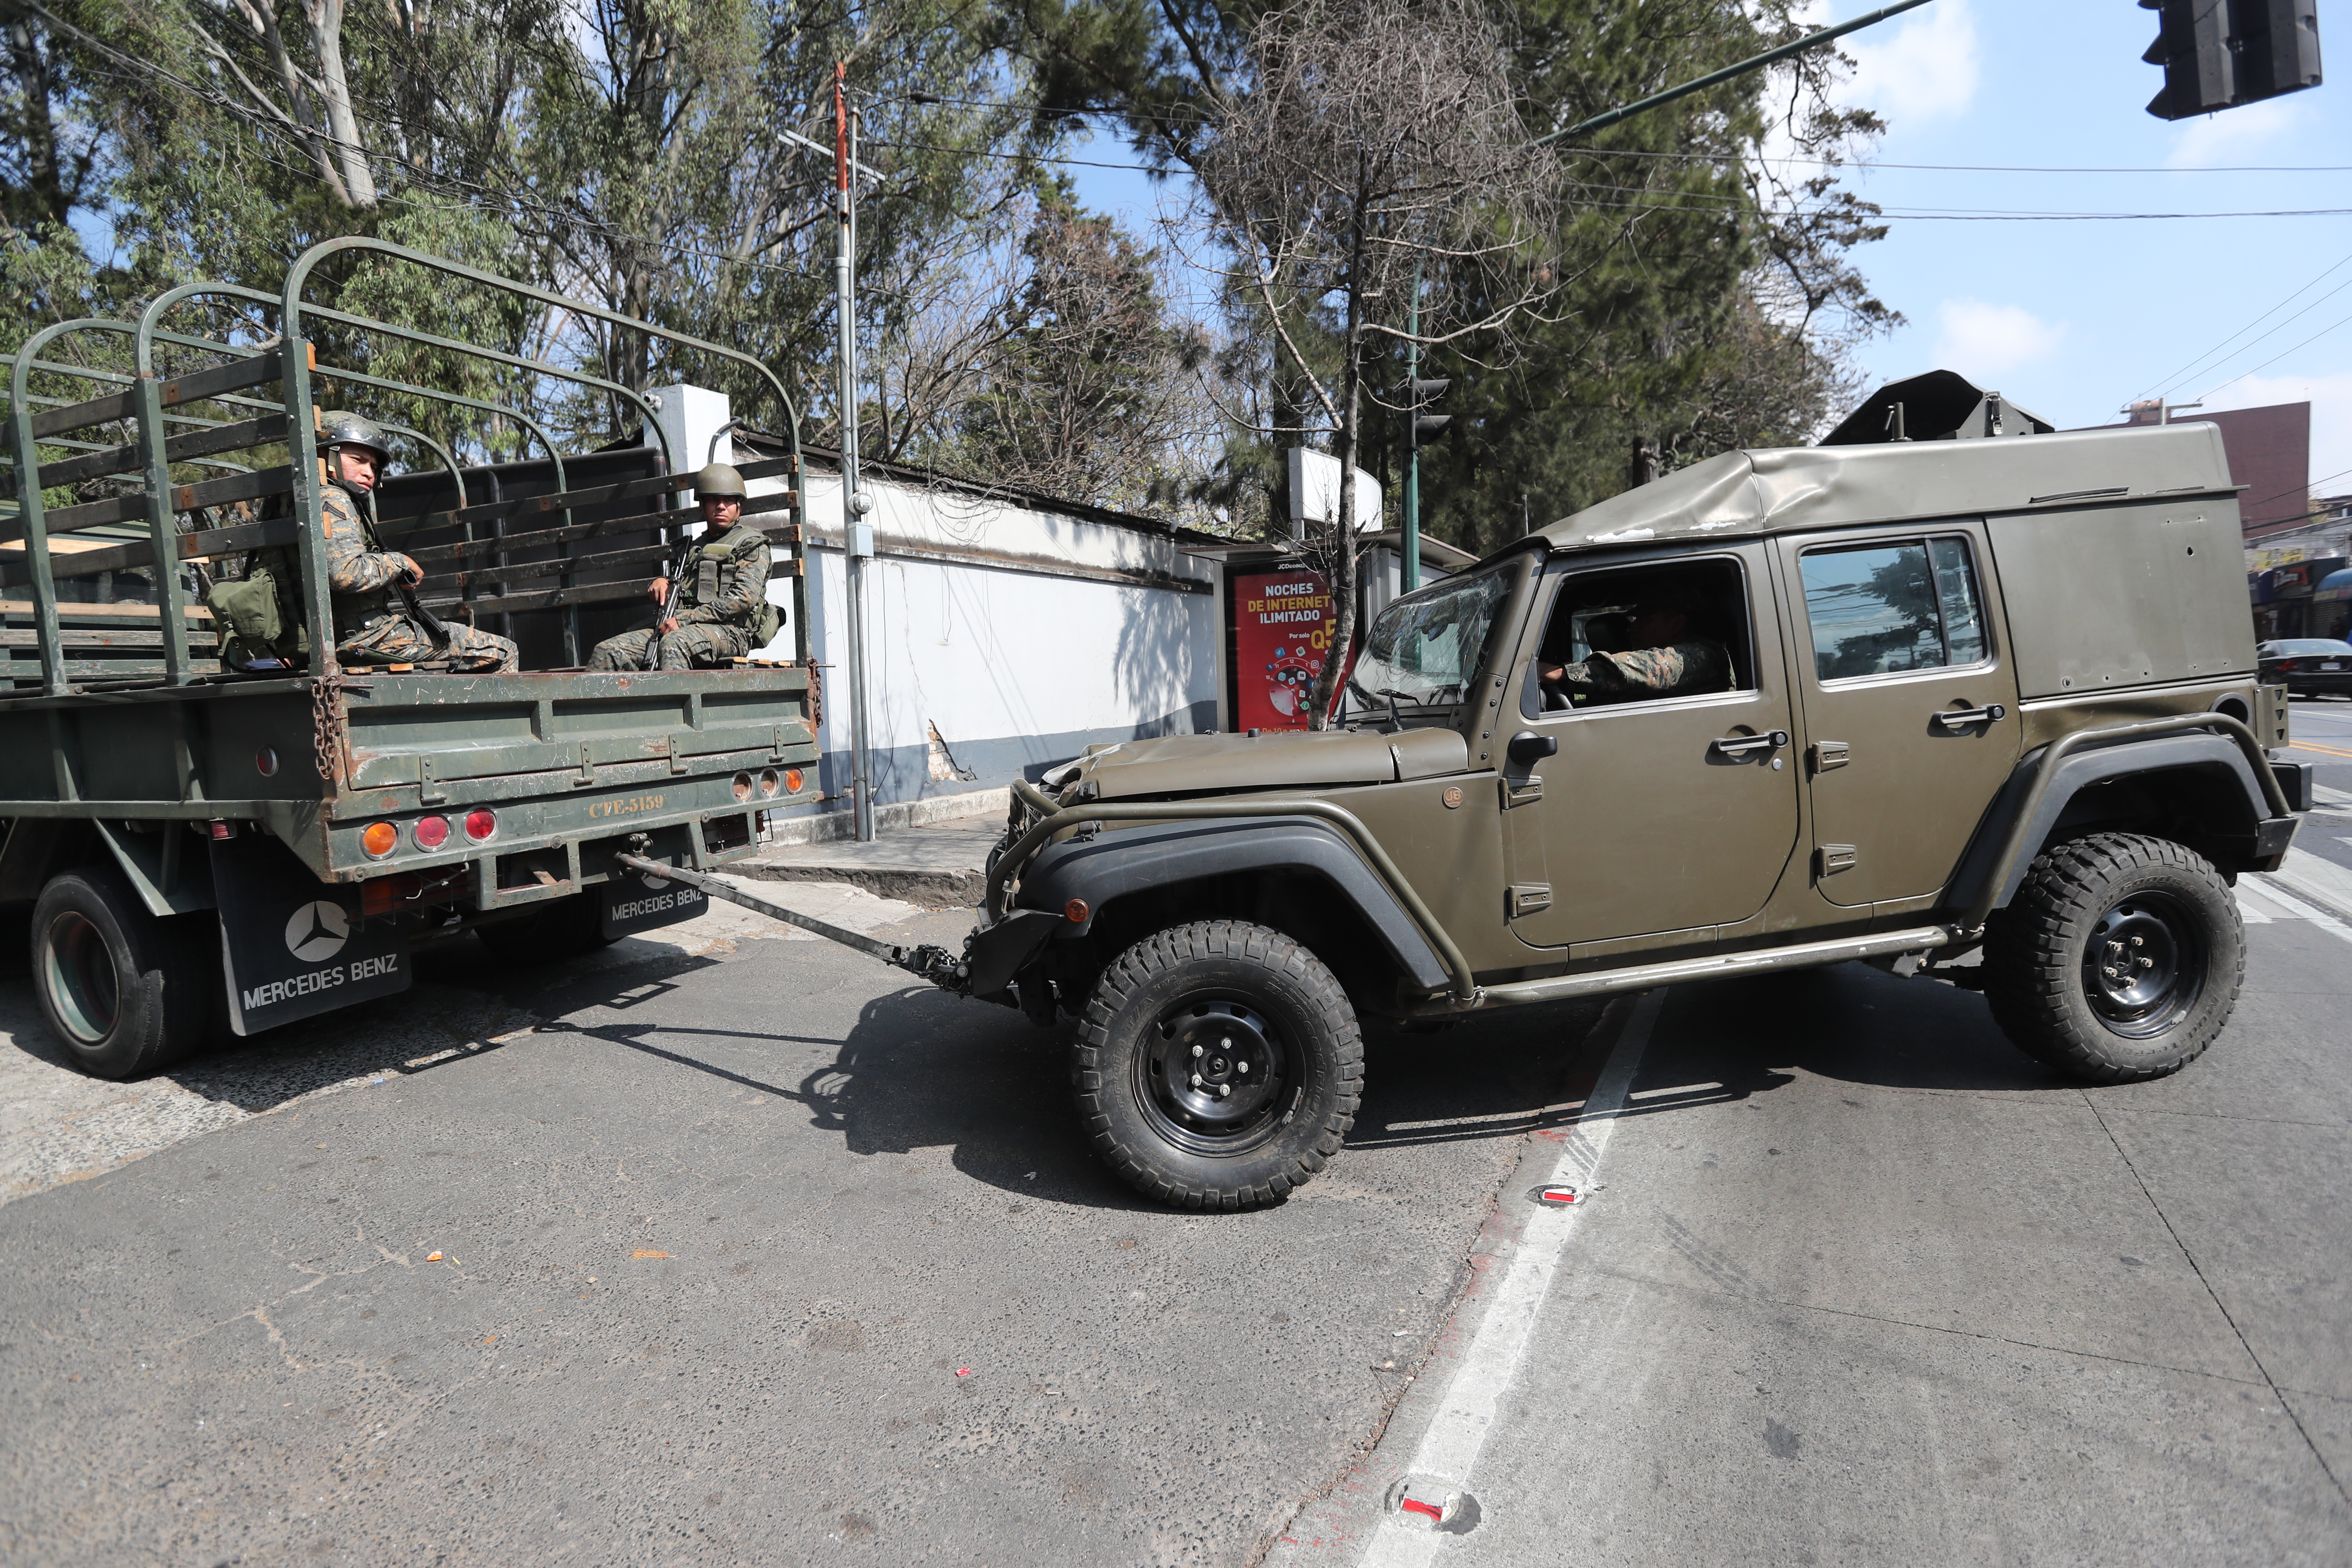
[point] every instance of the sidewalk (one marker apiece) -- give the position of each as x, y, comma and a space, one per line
939, 866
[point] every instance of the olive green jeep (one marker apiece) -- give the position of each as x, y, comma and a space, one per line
1882, 698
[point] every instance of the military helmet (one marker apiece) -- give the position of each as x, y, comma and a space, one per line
338, 428
718, 482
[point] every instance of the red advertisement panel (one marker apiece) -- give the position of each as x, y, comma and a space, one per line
1282, 625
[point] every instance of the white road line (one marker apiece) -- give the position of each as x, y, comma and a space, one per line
1466, 1410
2302, 911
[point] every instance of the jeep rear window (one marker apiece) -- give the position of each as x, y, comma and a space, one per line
1881, 609
1424, 650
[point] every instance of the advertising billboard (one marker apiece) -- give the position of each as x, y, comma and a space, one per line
1282, 626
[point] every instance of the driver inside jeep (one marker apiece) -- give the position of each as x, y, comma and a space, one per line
1666, 655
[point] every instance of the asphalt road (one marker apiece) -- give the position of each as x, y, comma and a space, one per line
750, 1254
2321, 729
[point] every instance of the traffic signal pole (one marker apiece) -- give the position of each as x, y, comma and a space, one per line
1411, 578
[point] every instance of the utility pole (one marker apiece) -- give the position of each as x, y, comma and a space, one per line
856, 533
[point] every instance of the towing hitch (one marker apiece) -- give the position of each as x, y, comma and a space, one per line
984, 970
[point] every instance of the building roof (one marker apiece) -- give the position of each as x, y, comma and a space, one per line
829, 458
1780, 489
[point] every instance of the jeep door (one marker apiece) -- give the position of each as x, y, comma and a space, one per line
1660, 816
1909, 703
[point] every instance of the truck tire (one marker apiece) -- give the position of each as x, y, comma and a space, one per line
2119, 959
1218, 1066
560, 927
127, 992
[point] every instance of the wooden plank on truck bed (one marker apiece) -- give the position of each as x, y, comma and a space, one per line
183, 498
178, 449
233, 540
194, 387
540, 538
597, 495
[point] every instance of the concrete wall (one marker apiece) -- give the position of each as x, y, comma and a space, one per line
1001, 639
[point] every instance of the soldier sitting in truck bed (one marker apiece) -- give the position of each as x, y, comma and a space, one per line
259, 611
716, 609
369, 628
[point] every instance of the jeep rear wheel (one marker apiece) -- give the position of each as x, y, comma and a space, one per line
1219, 1066
2119, 959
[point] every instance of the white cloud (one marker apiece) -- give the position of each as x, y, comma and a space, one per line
1983, 340
1925, 69
2330, 397
2233, 135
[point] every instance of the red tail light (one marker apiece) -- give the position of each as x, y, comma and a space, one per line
430, 832
2286, 664
481, 822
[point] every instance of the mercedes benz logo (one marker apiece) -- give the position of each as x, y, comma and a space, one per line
318, 931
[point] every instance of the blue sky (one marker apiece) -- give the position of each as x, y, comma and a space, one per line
2075, 319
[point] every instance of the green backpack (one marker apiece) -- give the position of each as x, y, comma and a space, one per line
256, 615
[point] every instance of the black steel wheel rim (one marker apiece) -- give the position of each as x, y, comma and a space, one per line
84, 990
1215, 1077
2145, 965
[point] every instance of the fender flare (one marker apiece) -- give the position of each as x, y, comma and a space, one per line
1110, 866
2208, 753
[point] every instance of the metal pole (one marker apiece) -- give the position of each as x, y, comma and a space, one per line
1754, 62
1408, 577
857, 534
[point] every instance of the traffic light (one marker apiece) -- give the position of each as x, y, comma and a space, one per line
2218, 54
1419, 426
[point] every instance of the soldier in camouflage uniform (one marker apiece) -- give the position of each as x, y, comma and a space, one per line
1666, 659
718, 609
371, 627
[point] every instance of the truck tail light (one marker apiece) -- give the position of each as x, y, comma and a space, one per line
793, 780
769, 782
481, 822
430, 832
742, 787
380, 839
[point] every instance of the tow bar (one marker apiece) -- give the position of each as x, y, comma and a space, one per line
984, 970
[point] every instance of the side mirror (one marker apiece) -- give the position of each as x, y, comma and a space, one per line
1527, 747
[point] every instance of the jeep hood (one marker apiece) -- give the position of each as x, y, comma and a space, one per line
1271, 759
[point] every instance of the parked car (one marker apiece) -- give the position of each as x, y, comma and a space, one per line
2307, 667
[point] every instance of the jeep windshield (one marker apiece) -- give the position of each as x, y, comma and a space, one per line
1426, 649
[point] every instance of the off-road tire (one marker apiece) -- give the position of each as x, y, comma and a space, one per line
126, 992
1218, 979
560, 927
2086, 897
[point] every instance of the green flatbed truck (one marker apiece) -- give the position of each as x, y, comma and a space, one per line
209, 851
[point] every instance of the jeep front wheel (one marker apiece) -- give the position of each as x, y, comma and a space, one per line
1219, 1066
2119, 959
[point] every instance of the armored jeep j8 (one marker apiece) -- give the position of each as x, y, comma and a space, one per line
1882, 698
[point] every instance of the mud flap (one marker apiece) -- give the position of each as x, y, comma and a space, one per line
293, 946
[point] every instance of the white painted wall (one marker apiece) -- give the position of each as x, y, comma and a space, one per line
1015, 669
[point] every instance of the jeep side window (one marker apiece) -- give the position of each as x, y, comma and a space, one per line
1881, 609
1641, 633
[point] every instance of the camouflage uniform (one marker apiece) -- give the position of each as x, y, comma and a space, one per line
1681, 669
718, 601
370, 629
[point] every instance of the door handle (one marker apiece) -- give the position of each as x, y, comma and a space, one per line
1957, 719
1741, 746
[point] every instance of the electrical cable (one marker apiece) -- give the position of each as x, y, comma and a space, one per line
2274, 359
2168, 383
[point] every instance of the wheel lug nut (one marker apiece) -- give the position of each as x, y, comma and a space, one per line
1241, 1067
1225, 1090
1196, 1050
1196, 1080
2147, 964
2139, 941
1224, 1045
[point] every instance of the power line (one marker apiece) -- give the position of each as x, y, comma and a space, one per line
2274, 359
2174, 380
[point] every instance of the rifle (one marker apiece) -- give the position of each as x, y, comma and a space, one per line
673, 571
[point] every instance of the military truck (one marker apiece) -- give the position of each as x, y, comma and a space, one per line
212, 851
1972, 685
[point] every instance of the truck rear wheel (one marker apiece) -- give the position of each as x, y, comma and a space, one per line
1219, 1066
2119, 959
129, 994
557, 929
